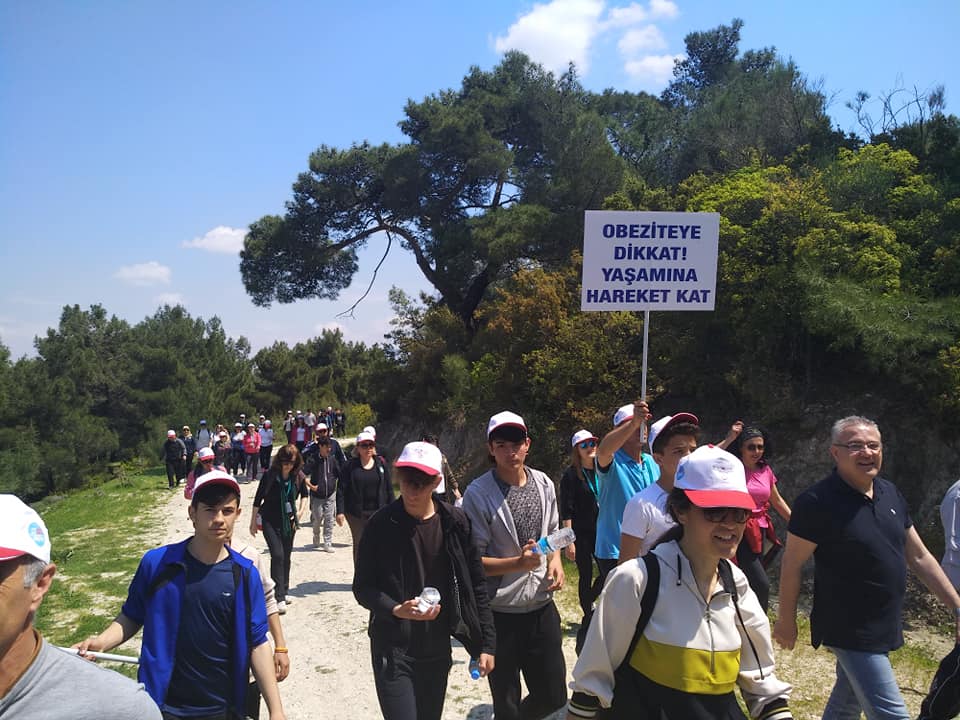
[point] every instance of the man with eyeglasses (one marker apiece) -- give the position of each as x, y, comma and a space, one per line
857, 527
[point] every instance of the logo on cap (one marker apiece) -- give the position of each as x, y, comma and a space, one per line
37, 534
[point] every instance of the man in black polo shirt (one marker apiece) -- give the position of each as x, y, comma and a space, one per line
857, 526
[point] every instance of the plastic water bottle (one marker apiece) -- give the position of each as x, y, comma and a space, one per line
557, 540
428, 598
474, 668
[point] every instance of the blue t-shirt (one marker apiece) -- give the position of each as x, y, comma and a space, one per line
623, 479
200, 684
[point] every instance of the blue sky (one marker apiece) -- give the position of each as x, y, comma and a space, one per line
138, 140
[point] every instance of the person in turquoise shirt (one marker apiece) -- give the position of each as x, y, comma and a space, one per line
623, 470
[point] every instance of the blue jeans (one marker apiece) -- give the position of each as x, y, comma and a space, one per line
865, 681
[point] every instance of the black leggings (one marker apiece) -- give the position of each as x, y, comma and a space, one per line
588, 589
749, 562
281, 548
409, 688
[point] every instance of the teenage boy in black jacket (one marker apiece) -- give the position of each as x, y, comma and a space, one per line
415, 542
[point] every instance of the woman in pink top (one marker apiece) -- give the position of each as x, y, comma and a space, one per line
251, 448
752, 448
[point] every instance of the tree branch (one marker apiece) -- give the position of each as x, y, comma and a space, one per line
349, 311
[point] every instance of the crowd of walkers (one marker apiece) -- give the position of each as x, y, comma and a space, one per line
671, 537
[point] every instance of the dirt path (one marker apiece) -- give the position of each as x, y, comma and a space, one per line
326, 630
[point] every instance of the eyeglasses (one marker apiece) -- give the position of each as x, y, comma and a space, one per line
366, 445
858, 447
726, 514
754, 448
587, 444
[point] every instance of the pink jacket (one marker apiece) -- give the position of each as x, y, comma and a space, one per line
251, 443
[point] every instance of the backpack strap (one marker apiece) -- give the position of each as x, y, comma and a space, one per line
648, 602
165, 576
725, 573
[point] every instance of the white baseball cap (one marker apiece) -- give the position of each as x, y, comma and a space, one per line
216, 477
372, 430
666, 421
712, 477
622, 415
171, 433
422, 456
22, 532
206, 453
322, 426
365, 436
505, 419
580, 435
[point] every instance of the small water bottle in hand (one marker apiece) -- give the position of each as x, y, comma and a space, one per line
557, 540
474, 668
428, 598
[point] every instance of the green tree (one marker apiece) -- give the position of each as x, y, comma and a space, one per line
493, 175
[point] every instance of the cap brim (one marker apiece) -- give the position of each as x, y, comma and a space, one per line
417, 466
232, 484
508, 424
721, 498
11, 554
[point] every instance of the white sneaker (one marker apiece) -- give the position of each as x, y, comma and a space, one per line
282, 607
328, 548
289, 600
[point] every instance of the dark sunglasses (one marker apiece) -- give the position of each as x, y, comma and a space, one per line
726, 514
366, 445
754, 448
587, 444
206, 460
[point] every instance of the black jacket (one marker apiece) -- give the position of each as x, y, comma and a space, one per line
311, 468
349, 496
386, 575
578, 503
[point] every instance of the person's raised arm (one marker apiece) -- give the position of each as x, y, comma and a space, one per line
797, 552
732, 434
615, 439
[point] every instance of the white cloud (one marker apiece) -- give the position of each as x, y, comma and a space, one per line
642, 39
332, 326
221, 239
556, 33
168, 299
144, 274
652, 70
663, 9
632, 14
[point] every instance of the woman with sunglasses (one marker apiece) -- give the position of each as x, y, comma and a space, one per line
677, 630
206, 461
579, 493
279, 503
363, 489
753, 447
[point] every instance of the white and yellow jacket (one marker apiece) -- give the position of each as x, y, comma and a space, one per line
690, 648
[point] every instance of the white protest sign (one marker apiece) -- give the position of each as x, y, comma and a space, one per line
649, 260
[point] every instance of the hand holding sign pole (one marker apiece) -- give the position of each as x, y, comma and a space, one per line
649, 261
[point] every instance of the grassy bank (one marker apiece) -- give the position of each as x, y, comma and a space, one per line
97, 536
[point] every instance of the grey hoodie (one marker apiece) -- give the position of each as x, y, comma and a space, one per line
495, 535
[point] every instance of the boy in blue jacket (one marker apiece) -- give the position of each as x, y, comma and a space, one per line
202, 611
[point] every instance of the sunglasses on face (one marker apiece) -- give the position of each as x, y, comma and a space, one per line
207, 460
726, 514
587, 444
366, 445
755, 448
